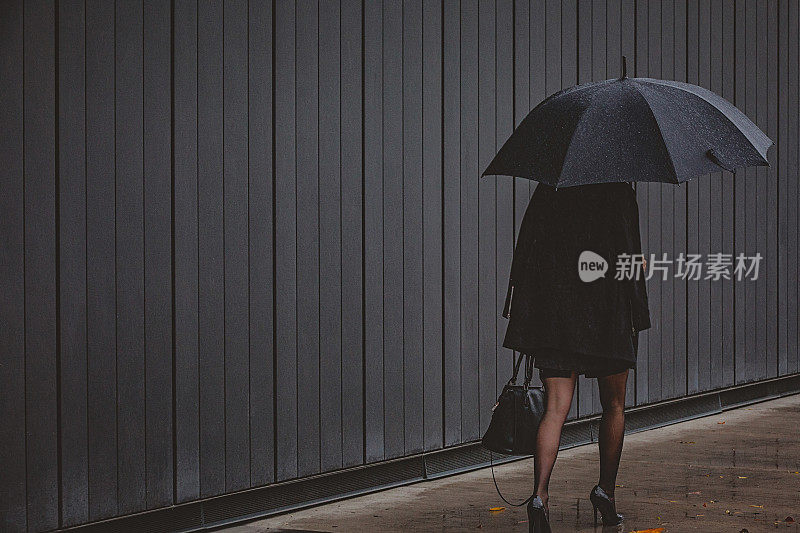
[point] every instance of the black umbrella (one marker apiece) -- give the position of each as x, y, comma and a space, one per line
630, 129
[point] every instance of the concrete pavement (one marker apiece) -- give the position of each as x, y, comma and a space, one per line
733, 472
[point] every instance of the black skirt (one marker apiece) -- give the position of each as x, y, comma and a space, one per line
553, 362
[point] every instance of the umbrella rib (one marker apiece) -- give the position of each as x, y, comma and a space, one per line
688, 88
660, 132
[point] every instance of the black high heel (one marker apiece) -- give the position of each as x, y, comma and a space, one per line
537, 516
608, 509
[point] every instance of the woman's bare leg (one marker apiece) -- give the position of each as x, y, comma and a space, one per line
612, 428
558, 393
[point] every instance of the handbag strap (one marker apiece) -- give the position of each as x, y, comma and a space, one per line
513, 380
528, 369
517, 364
497, 488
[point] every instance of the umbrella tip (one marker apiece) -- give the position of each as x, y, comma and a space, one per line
624, 67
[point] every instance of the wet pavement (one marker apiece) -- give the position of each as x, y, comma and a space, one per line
738, 471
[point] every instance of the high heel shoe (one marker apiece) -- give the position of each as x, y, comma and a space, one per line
608, 509
537, 516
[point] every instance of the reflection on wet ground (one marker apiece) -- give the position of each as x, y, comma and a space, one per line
736, 471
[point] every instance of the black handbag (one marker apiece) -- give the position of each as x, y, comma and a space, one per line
515, 418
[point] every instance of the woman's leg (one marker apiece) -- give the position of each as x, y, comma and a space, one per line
612, 428
558, 393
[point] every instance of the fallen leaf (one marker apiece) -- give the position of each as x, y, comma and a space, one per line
721, 422
697, 492
652, 530
757, 506
497, 509
704, 504
742, 477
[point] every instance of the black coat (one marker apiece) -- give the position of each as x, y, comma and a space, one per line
549, 304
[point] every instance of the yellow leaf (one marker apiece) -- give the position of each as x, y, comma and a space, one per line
497, 509
652, 530
757, 506
742, 477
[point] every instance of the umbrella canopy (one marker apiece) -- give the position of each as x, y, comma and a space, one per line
630, 129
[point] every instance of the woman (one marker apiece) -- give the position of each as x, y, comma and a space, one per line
574, 327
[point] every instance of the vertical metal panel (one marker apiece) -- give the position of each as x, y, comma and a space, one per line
537, 91
667, 222
100, 260
260, 224
606, 63
373, 230
537, 40
752, 349
413, 229
330, 238
762, 175
235, 235
308, 232
130, 256
771, 185
451, 196
352, 236
523, 14
211, 247
679, 287
352, 244
470, 395
692, 199
569, 77
40, 267
12, 274
716, 180
586, 73
783, 187
393, 228
504, 87
704, 227
158, 252
72, 261
286, 315
728, 224
641, 68
487, 213
739, 198
432, 81
185, 124
791, 144
627, 48
655, 248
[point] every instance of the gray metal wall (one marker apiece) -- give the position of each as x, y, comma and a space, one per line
245, 242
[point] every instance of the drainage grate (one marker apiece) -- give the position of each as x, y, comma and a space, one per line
670, 412
186, 517
453, 460
308, 491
